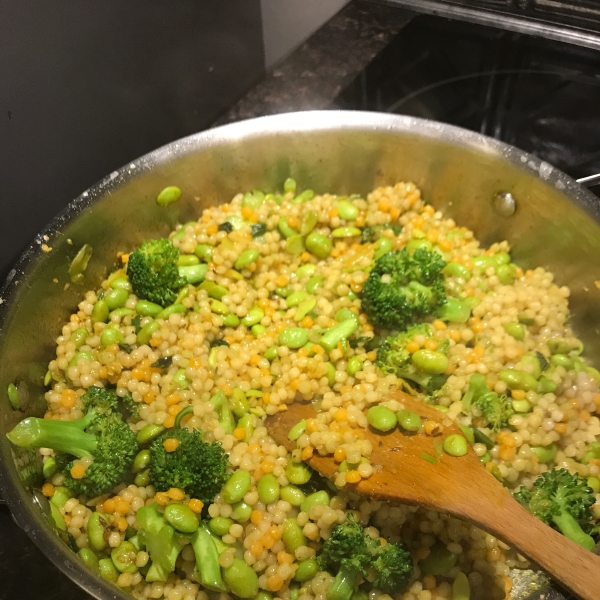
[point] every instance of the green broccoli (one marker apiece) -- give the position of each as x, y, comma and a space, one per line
495, 410
372, 233
160, 540
101, 434
197, 467
394, 358
153, 272
402, 288
563, 501
350, 553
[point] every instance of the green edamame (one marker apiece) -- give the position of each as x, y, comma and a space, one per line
255, 315
241, 512
123, 557
304, 308
271, 353
292, 536
439, 561
110, 336
292, 494
121, 283
297, 473
148, 433
506, 274
116, 298
50, 467
293, 337
220, 525
295, 298
318, 244
309, 222
518, 380
545, 453
268, 489
96, 527
546, 386
321, 497
594, 483
347, 210
214, 290
236, 487
182, 517
231, 320
461, 590
419, 244
142, 479
289, 186
145, 308
89, 558
100, 311
521, 406
305, 196
455, 445
193, 273
246, 258
79, 336
187, 260
561, 360
145, 333
204, 252
409, 420
381, 418
141, 461
454, 269
307, 569
60, 496
218, 307
169, 195
382, 246
354, 365
176, 308
430, 361
307, 270
241, 579
108, 570
285, 229
314, 283
295, 245
344, 232
297, 430
515, 330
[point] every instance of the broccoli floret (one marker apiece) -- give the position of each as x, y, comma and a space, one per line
197, 467
394, 358
563, 501
101, 434
402, 288
350, 553
153, 272
160, 541
496, 410
372, 233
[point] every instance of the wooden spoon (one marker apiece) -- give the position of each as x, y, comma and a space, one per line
459, 486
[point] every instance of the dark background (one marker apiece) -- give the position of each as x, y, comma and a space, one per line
87, 86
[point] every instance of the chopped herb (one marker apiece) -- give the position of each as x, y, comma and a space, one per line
163, 362
428, 458
219, 342
126, 347
136, 322
258, 229
227, 227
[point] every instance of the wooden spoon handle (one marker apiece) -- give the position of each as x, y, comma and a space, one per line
574, 567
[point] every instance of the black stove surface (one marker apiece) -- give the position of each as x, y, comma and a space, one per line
539, 95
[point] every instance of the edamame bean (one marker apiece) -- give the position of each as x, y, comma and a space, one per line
116, 298
110, 336
268, 489
320, 497
231, 320
314, 283
145, 333
204, 252
309, 222
292, 494
557, 346
194, 273
295, 298
420, 244
289, 186
142, 479
354, 365
292, 536
545, 453
89, 558
100, 311
169, 195
123, 557
461, 590
409, 420
60, 496
214, 290
241, 512
307, 569
246, 258
218, 307
546, 386
307, 270
236, 487
271, 353
455, 445
79, 336
304, 308
297, 430
430, 361
96, 527
220, 525
594, 483
382, 246
381, 418
59, 520
255, 315
148, 433
521, 406
318, 244
518, 380
457, 270
295, 245
81, 355
561, 360
181, 231
182, 517
293, 337
439, 560
297, 473
285, 229
305, 196
186, 260
344, 232
515, 330
122, 312
241, 579
347, 210
50, 467
506, 274
176, 308
145, 308
107, 570
344, 314
454, 311
141, 461
13, 396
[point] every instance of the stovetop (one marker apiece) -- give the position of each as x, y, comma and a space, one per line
536, 94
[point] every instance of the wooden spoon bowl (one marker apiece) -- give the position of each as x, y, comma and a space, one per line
459, 486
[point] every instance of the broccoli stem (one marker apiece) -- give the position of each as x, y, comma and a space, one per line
208, 571
334, 335
571, 529
64, 436
343, 585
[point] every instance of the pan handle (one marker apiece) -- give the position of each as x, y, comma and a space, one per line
590, 180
